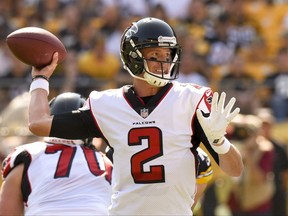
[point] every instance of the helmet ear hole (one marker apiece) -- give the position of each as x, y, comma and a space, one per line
137, 65
130, 58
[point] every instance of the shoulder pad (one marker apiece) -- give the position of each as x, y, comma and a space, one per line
21, 154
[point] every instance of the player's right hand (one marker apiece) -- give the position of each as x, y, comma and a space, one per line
48, 70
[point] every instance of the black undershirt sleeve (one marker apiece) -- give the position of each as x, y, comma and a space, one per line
74, 125
202, 137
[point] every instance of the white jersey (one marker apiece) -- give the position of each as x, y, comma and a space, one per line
62, 179
153, 147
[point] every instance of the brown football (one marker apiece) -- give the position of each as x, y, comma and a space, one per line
35, 46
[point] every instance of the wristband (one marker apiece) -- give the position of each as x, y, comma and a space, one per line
223, 148
40, 76
216, 141
39, 84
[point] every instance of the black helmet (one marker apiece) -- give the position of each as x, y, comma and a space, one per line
66, 102
149, 32
63, 103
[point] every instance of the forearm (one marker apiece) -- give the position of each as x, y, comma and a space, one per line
231, 162
39, 113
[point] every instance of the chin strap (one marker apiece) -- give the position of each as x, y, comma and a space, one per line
155, 81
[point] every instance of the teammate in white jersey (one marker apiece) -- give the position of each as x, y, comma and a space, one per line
56, 176
154, 125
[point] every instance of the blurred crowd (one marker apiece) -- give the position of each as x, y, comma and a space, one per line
236, 46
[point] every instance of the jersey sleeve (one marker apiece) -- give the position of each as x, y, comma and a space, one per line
18, 156
206, 101
75, 125
23, 154
205, 172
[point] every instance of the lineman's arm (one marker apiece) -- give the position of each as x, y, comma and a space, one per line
11, 200
200, 190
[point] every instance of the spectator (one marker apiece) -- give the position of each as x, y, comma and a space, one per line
239, 83
139, 8
16, 79
259, 66
191, 70
252, 194
268, 17
241, 31
69, 30
276, 87
280, 168
176, 10
199, 24
112, 40
158, 11
221, 48
110, 19
97, 63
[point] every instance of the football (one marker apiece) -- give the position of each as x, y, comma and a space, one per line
35, 46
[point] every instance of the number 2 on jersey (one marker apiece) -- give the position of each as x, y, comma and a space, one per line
153, 135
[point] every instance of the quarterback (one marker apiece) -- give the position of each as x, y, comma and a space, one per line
154, 125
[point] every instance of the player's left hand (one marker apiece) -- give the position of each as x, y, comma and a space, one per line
215, 125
